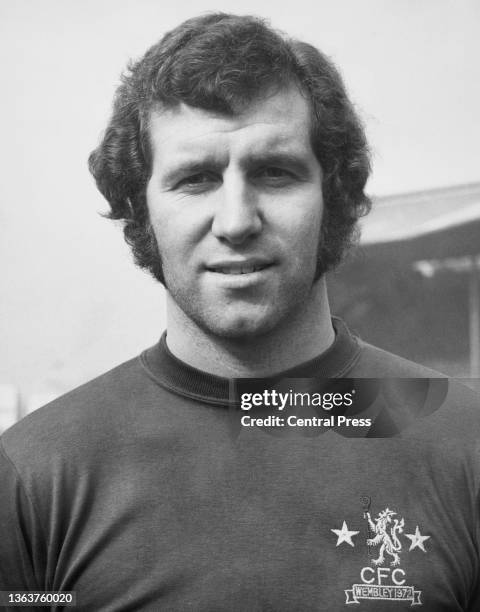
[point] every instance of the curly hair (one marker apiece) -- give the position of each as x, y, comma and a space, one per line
222, 63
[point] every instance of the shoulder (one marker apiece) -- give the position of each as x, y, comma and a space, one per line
72, 421
415, 390
374, 362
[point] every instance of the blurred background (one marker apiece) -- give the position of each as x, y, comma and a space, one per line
73, 304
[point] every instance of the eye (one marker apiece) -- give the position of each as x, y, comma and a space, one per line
198, 182
274, 172
275, 176
196, 179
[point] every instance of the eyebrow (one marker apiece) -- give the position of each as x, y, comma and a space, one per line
296, 162
191, 167
293, 161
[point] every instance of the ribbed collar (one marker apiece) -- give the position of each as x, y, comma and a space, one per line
183, 379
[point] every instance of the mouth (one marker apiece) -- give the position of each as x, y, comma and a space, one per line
239, 267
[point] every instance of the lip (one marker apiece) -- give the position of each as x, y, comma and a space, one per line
239, 267
228, 274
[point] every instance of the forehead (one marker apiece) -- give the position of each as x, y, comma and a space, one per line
280, 122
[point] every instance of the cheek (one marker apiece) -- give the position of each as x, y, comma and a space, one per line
165, 227
177, 245
305, 242
179, 225
304, 229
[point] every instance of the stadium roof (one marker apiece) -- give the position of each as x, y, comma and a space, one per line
425, 224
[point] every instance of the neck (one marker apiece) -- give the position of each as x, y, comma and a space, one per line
304, 336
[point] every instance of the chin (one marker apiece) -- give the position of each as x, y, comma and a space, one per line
238, 328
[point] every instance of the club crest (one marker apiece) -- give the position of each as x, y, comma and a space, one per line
386, 536
385, 543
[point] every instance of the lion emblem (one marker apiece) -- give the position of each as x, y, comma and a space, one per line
385, 535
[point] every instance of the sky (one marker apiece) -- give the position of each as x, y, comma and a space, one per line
73, 304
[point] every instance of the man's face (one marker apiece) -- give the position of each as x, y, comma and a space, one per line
236, 205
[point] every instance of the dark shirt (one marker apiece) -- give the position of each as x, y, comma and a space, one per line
141, 490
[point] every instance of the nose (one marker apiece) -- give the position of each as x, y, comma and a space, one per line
237, 216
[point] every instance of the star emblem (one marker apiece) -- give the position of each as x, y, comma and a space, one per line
417, 540
344, 535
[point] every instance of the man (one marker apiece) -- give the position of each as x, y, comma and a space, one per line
237, 164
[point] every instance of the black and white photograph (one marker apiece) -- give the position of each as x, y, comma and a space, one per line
240, 314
